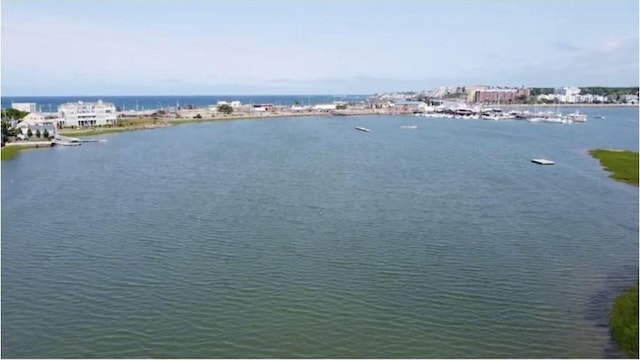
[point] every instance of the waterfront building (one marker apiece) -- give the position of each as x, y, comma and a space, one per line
37, 122
87, 113
471, 91
495, 96
27, 107
567, 91
325, 107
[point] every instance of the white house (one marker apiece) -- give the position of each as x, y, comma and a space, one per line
27, 107
87, 114
41, 126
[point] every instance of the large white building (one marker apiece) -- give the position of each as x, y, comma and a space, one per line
28, 107
87, 113
567, 91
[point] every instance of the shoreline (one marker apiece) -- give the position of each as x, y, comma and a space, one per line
148, 123
10, 150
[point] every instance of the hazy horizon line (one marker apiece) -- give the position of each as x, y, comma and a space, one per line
317, 94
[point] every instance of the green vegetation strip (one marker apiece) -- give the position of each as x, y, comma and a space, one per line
622, 164
9, 152
623, 321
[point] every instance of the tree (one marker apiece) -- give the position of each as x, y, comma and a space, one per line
5, 131
341, 106
12, 113
45, 134
225, 108
38, 133
198, 116
296, 102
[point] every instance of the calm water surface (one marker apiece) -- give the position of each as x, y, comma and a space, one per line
306, 238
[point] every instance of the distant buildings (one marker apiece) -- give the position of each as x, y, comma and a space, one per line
27, 107
567, 91
572, 95
407, 105
630, 99
87, 113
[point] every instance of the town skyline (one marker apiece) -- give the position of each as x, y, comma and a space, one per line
188, 48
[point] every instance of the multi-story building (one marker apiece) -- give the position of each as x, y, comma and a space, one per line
495, 96
523, 93
27, 107
567, 91
87, 113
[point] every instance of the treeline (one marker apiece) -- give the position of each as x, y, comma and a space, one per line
609, 91
541, 91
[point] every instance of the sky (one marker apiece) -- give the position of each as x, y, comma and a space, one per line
200, 47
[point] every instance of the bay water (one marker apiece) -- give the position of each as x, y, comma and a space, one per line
305, 238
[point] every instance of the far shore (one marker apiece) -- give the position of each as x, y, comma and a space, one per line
147, 123
567, 105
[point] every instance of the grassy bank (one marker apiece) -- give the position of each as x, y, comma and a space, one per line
150, 123
124, 125
9, 152
622, 164
623, 321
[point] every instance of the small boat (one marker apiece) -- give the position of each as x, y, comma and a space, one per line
362, 129
599, 117
542, 161
576, 117
409, 126
66, 143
